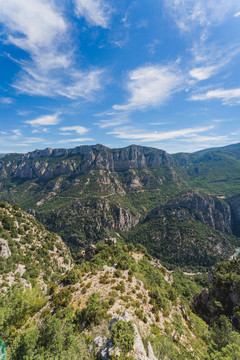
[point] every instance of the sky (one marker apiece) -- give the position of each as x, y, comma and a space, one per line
159, 73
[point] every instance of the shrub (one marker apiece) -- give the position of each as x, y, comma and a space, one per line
72, 277
91, 314
62, 298
122, 335
118, 273
16, 206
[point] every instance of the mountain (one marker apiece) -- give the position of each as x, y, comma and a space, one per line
28, 252
91, 192
68, 189
214, 171
191, 229
116, 302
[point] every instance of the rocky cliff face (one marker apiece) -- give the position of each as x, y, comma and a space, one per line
207, 209
49, 163
234, 203
222, 296
192, 229
88, 220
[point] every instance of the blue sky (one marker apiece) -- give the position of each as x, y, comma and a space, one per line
159, 73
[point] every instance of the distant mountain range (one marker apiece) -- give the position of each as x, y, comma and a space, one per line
90, 192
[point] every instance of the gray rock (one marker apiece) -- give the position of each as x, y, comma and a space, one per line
90, 157
5, 252
205, 208
139, 352
111, 241
150, 352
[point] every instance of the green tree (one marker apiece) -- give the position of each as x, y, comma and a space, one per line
123, 335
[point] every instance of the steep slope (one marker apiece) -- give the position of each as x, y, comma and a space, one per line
222, 296
234, 203
193, 229
90, 192
214, 171
68, 188
119, 304
28, 253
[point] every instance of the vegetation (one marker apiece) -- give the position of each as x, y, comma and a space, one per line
122, 335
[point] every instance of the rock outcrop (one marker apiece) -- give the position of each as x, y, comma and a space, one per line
222, 296
106, 349
234, 203
5, 252
39, 163
87, 220
192, 229
207, 209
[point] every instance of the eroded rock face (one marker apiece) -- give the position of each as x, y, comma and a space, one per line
89, 218
235, 209
207, 209
5, 252
106, 350
222, 296
39, 164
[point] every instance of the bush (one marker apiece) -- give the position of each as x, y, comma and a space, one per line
92, 313
72, 277
123, 335
62, 298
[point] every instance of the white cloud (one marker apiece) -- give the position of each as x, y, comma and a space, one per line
37, 20
133, 134
65, 141
6, 100
203, 139
84, 84
237, 14
203, 73
96, 12
17, 132
227, 96
45, 120
150, 86
117, 120
189, 14
39, 28
78, 129
32, 140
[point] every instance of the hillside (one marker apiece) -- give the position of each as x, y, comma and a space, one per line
193, 229
91, 192
113, 186
29, 254
221, 296
116, 303
215, 171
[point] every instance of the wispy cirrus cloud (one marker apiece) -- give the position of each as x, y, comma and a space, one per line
78, 129
227, 97
144, 136
39, 28
150, 86
45, 120
189, 14
96, 12
116, 119
6, 100
76, 140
